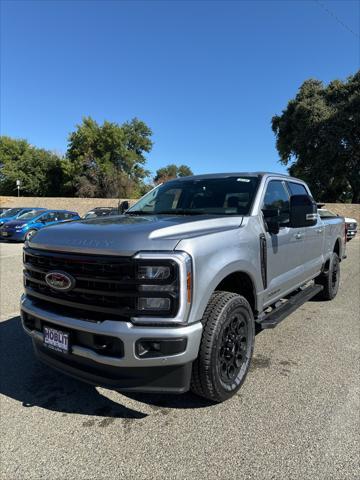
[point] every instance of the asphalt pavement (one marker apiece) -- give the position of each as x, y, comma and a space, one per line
296, 416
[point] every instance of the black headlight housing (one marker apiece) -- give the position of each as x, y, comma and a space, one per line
158, 288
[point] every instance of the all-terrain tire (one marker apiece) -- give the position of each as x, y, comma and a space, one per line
330, 279
226, 347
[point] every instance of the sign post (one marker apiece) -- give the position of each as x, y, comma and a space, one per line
18, 185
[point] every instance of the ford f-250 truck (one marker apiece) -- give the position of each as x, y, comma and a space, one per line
168, 296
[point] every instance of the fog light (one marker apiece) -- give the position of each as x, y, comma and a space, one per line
153, 273
146, 348
145, 303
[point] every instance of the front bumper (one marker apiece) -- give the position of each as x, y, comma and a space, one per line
12, 234
129, 372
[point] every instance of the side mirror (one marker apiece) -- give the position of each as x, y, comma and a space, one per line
273, 225
272, 220
124, 206
303, 211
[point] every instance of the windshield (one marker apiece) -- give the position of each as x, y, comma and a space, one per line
11, 212
211, 196
30, 215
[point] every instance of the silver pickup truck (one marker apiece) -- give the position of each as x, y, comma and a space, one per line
168, 297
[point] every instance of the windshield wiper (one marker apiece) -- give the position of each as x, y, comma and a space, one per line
139, 212
181, 211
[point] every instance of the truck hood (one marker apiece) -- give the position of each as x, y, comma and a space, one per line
127, 234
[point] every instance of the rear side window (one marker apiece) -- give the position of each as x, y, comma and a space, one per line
276, 201
66, 215
297, 188
49, 217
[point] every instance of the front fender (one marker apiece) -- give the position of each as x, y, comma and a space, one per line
219, 255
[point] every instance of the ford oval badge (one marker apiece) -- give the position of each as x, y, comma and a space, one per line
61, 281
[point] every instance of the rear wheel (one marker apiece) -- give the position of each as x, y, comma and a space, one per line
226, 347
30, 234
330, 279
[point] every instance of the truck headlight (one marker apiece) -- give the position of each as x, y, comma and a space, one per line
148, 272
164, 287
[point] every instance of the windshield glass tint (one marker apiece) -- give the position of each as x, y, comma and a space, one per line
213, 196
11, 212
30, 215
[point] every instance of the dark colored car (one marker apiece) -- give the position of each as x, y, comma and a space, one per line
102, 212
27, 224
14, 213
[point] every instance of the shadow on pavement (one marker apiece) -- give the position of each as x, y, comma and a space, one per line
27, 380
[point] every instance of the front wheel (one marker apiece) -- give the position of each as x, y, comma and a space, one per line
226, 347
30, 234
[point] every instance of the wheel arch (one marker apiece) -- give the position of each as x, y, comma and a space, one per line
30, 229
338, 247
242, 283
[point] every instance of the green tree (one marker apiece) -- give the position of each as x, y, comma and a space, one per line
107, 160
171, 171
38, 170
318, 138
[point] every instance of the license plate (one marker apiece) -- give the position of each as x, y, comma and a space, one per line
56, 340
4, 234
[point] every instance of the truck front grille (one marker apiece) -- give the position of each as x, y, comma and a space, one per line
106, 286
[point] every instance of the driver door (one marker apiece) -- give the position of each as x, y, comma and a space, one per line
284, 249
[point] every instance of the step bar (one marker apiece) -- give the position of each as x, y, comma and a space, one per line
278, 314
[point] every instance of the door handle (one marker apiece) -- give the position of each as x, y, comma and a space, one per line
319, 230
298, 236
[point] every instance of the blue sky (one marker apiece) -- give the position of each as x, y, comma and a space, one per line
206, 76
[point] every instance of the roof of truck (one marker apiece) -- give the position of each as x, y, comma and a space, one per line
237, 174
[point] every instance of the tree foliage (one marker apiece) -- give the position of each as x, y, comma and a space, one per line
38, 170
102, 160
318, 137
107, 160
171, 171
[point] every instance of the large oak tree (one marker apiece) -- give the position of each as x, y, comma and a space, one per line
318, 137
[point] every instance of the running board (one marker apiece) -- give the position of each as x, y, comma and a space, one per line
272, 319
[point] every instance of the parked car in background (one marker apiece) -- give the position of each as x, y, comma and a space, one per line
3, 209
14, 213
350, 223
351, 227
102, 212
27, 224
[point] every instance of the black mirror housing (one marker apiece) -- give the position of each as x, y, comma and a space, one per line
273, 225
124, 206
303, 211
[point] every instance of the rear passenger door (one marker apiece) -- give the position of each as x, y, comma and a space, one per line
284, 249
313, 238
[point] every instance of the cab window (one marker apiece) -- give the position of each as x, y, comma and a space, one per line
297, 188
276, 202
